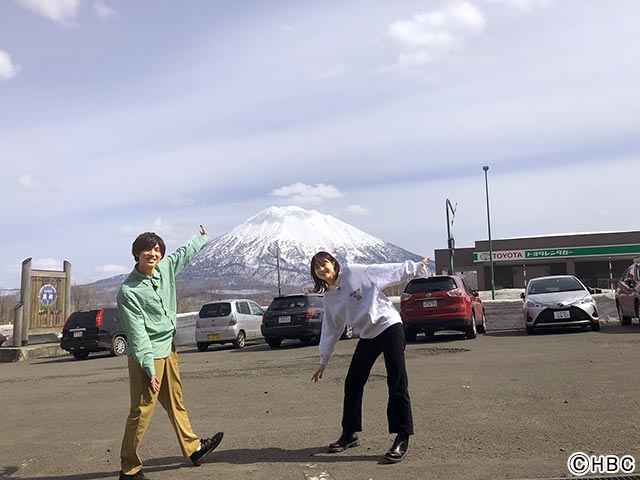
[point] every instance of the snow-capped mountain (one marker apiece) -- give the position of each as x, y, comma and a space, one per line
246, 256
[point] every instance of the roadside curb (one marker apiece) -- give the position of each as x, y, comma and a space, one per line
43, 350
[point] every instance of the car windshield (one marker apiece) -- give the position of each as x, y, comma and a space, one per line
433, 284
284, 303
215, 310
554, 285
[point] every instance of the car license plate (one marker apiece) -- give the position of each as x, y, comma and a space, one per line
286, 319
213, 336
430, 303
77, 334
561, 315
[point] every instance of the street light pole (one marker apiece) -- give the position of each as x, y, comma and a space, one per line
486, 186
451, 244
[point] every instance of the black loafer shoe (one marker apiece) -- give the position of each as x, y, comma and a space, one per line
346, 440
398, 450
207, 445
139, 475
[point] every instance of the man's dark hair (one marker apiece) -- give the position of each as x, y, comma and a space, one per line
146, 241
319, 285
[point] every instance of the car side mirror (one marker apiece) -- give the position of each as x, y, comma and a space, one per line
632, 283
522, 295
475, 293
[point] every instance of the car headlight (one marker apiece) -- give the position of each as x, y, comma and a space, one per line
531, 303
587, 299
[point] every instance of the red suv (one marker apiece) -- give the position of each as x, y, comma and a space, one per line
628, 294
441, 302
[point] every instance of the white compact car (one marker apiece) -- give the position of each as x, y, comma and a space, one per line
228, 321
559, 301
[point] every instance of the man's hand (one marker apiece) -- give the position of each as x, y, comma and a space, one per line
155, 384
317, 375
203, 231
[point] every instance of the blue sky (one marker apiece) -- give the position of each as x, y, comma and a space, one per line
118, 117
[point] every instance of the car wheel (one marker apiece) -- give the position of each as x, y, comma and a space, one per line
203, 346
482, 328
240, 340
624, 320
410, 335
529, 329
595, 326
80, 355
118, 346
274, 342
348, 333
470, 330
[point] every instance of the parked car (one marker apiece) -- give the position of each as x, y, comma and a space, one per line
441, 302
94, 331
232, 321
559, 301
296, 316
628, 294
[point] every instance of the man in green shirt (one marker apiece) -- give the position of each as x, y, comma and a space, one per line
147, 305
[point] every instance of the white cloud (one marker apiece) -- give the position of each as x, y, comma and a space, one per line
307, 194
46, 264
437, 34
357, 210
60, 11
8, 69
111, 269
103, 10
30, 184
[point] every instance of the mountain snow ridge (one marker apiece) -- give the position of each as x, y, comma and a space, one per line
246, 256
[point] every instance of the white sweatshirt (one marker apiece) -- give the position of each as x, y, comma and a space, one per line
357, 299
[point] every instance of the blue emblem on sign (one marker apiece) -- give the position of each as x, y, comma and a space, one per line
47, 295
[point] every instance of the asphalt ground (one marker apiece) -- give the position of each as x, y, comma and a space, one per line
505, 405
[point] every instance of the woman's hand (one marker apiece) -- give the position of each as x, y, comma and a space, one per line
425, 261
203, 231
317, 375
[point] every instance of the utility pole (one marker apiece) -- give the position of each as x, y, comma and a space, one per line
278, 266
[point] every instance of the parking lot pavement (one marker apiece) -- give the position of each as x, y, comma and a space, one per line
505, 405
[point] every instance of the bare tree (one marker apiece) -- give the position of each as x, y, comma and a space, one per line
8, 301
81, 297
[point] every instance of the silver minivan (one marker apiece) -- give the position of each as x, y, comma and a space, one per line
228, 321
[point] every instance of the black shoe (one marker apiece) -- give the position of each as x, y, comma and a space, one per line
346, 440
139, 475
207, 445
398, 450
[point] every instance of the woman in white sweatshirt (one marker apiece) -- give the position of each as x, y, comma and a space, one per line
353, 295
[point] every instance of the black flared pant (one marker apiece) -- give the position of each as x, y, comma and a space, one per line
391, 344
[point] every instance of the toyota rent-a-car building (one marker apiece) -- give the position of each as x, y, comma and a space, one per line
596, 259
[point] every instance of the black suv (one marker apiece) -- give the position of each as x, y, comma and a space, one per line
296, 316
94, 331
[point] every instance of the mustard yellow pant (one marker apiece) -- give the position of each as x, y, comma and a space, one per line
143, 402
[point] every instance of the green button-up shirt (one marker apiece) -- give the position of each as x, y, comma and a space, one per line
147, 306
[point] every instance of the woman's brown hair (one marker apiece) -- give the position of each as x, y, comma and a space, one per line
320, 286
